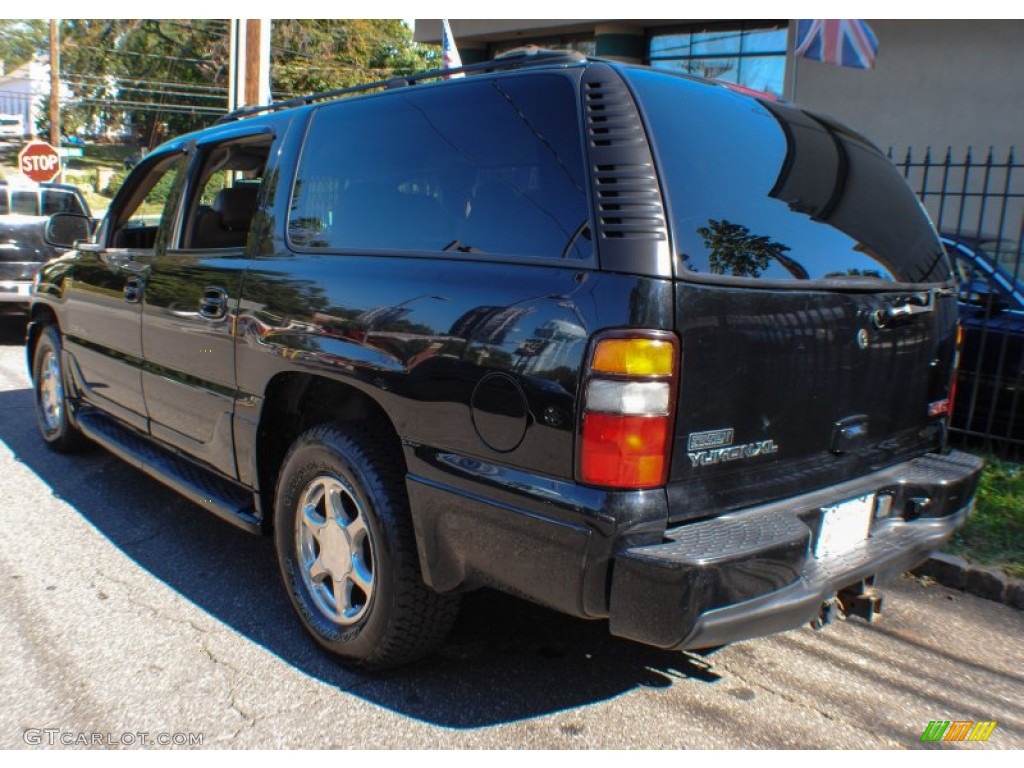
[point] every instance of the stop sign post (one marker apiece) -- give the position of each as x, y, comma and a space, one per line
39, 161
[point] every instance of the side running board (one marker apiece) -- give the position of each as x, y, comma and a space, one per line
225, 499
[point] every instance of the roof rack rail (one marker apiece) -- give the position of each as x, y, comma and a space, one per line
527, 56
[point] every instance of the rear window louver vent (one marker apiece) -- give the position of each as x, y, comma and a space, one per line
628, 206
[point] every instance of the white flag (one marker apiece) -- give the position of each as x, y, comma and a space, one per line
450, 58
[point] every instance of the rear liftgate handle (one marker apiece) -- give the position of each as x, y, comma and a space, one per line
903, 310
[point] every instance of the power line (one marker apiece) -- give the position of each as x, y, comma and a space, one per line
165, 92
151, 106
119, 80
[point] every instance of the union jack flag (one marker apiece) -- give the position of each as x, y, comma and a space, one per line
450, 58
843, 42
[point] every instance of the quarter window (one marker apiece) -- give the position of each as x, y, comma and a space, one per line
492, 166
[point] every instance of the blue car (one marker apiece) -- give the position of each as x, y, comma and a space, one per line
990, 385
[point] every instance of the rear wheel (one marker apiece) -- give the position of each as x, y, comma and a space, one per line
347, 551
52, 409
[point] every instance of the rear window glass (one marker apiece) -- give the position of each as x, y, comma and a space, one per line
759, 189
24, 202
487, 167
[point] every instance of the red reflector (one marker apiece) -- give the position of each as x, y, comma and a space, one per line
624, 451
938, 408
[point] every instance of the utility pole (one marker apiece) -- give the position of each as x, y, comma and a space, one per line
55, 89
54, 83
249, 77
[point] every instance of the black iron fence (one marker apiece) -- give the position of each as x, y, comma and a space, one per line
977, 204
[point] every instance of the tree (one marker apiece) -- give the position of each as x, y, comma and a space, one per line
166, 77
19, 39
312, 55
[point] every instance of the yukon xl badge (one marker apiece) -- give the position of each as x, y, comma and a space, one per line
715, 447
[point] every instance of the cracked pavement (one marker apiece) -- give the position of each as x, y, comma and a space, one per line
126, 609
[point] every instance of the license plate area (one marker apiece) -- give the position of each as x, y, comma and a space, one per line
844, 526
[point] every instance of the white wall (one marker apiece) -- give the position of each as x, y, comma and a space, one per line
938, 83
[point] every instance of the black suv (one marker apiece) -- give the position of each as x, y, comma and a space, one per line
627, 343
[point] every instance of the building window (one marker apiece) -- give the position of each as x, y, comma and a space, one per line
751, 54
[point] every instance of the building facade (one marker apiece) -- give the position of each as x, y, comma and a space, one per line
22, 91
941, 84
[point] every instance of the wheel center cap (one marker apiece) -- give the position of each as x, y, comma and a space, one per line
335, 550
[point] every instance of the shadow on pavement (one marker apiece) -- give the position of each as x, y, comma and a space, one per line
506, 659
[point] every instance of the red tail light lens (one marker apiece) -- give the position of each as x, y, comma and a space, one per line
627, 411
624, 451
956, 373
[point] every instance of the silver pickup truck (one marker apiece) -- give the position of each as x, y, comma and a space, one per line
24, 212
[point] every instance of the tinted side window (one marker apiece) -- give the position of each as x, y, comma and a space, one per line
5, 207
493, 166
759, 189
60, 201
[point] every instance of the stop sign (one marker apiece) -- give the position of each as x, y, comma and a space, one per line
39, 161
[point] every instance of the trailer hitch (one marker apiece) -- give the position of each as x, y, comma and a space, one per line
863, 600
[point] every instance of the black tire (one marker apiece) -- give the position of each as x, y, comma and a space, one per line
396, 618
51, 400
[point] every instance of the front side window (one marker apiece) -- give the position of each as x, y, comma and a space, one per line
492, 166
135, 224
751, 54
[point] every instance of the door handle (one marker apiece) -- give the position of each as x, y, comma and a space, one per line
134, 287
214, 303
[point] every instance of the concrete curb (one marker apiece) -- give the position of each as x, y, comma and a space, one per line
956, 573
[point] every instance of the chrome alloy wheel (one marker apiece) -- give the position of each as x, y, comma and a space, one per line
51, 391
335, 549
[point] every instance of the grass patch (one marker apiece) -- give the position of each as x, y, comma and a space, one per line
995, 533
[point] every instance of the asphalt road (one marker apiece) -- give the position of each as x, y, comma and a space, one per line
128, 613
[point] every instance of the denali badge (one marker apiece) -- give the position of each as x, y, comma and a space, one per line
717, 449
714, 438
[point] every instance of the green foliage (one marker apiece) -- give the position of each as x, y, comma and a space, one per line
158, 194
310, 55
20, 38
116, 180
995, 533
167, 77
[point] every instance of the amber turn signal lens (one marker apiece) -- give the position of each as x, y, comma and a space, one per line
634, 357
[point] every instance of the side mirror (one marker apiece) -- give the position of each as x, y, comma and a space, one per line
63, 230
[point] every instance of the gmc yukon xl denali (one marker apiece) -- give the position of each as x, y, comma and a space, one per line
626, 343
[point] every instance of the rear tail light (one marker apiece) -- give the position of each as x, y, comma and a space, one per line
955, 372
628, 407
